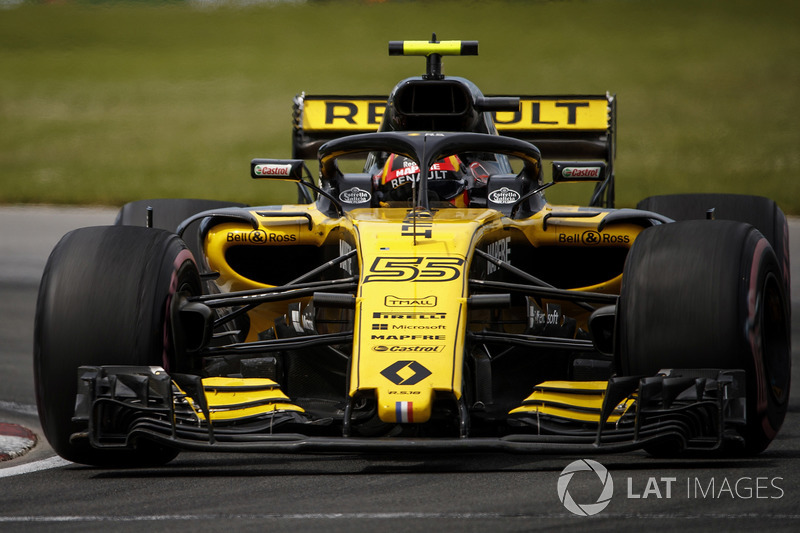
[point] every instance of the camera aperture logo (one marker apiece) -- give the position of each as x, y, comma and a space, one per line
592, 488
585, 509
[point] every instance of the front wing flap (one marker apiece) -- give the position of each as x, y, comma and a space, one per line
695, 409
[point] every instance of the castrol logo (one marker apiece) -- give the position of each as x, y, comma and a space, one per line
272, 170
588, 172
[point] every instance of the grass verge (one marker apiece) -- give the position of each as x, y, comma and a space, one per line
103, 103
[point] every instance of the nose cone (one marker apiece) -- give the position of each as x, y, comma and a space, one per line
411, 312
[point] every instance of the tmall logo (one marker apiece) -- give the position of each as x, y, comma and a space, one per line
585, 509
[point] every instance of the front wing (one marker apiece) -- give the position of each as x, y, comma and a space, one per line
686, 409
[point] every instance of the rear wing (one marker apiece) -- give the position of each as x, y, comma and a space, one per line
562, 127
569, 127
318, 119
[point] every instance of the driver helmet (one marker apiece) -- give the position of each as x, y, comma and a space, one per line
447, 180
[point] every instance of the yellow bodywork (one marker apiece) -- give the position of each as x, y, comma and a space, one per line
230, 399
579, 401
363, 114
411, 316
411, 307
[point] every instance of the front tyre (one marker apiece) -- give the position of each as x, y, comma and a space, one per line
104, 299
762, 213
710, 294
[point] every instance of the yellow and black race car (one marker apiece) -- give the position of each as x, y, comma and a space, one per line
422, 294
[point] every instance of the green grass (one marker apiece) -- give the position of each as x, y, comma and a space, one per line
103, 103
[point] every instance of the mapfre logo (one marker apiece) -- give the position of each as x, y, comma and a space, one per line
605, 488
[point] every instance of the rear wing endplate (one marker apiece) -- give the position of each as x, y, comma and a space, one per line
318, 119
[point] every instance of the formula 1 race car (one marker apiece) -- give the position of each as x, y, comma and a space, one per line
427, 299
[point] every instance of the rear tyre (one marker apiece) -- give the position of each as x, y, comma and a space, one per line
710, 294
762, 213
104, 300
168, 213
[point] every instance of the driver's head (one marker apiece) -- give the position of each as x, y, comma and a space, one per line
447, 180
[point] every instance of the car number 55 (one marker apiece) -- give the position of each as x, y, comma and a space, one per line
419, 269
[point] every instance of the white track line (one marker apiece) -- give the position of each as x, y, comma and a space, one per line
385, 516
22, 408
36, 466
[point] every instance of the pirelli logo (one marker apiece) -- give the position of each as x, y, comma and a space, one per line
364, 114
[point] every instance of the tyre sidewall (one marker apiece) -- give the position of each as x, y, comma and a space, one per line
768, 371
692, 297
103, 300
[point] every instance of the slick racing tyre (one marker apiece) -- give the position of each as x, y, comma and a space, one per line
762, 213
168, 213
709, 294
104, 300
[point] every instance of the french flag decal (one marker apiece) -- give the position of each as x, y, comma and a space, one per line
405, 412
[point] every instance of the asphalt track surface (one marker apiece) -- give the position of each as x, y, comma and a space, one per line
210, 492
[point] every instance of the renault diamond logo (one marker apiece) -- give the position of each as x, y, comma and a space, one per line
406, 373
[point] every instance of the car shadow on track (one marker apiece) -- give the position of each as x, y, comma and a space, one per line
195, 466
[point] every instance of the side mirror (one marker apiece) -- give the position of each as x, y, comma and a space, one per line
289, 170
578, 171
277, 169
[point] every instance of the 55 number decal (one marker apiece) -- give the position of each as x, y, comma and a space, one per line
415, 269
